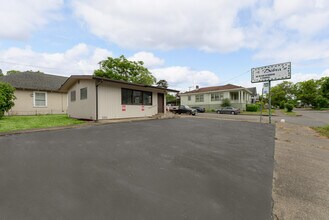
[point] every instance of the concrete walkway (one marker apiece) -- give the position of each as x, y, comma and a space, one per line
301, 173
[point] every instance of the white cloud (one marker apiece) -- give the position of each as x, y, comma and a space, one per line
295, 30
181, 78
19, 18
275, 30
204, 24
299, 77
149, 59
80, 59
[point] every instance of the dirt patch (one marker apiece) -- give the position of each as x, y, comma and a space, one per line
301, 173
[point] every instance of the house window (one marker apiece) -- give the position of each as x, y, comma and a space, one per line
234, 95
135, 97
147, 98
199, 98
189, 98
126, 96
83, 93
73, 96
216, 96
40, 99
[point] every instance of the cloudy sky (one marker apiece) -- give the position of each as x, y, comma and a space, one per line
186, 42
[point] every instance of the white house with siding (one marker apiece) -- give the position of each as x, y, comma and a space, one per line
212, 97
95, 98
36, 93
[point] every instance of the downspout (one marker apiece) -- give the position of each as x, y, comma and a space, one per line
97, 84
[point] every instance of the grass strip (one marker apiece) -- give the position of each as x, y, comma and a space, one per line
15, 123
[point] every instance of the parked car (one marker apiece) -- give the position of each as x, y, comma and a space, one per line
228, 110
184, 109
199, 109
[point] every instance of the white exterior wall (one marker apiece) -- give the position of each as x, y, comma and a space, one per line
86, 108
110, 103
24, 103
206, 96
208, 104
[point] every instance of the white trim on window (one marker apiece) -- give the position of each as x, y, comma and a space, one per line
34, 101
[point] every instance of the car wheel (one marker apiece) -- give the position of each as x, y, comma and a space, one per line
233, 113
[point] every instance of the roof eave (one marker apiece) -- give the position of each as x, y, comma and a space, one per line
71, 80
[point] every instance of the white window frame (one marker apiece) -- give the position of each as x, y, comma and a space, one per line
86, 93
46, 100
198, 98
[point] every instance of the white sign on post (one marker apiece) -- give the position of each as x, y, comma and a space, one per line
272, 72
265, 88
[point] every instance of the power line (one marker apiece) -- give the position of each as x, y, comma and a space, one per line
236, 76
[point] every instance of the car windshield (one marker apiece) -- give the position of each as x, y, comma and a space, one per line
187, 107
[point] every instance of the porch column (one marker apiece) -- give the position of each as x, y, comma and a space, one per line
239, 96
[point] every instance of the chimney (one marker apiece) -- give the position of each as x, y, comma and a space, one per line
196, 87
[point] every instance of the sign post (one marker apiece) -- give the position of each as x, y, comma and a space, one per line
270, 73
269, 103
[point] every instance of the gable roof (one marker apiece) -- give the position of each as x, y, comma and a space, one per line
215, 88
34, 81
74, 78
253, 90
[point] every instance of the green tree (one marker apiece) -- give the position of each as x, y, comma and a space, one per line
321, 102
308, 91
7, 98
283, 92
162, 83
170, 98
122, 69
226, 102
12, 72
325, 87
1, 74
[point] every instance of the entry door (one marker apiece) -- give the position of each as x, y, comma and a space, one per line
160, 103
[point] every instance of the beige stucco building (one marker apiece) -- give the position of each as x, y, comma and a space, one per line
212, 97
95, 98
36, 93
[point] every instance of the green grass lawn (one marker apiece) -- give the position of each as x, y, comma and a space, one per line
264, 112
288, 113
323, 130
14, 123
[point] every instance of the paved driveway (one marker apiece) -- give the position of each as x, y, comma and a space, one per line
309, 118
161, 169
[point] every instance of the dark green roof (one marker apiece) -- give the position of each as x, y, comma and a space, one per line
34, 81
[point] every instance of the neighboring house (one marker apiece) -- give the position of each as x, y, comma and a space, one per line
94, 98
37, 93
212, 97
254, 95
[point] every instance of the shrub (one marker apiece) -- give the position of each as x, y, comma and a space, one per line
252, 108
289, 107
282, 105
321, 102
226, 102
6, 98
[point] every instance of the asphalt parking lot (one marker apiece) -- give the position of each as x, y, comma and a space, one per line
185, 168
